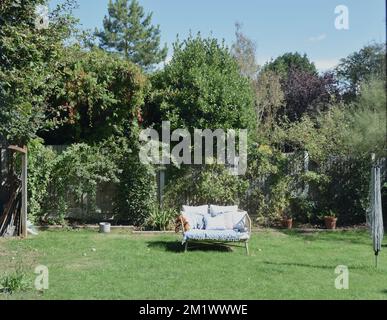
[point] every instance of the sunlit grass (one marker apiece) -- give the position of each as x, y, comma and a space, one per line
88, 265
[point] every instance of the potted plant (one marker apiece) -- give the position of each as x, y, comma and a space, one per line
282, 202
287, 220
330, 221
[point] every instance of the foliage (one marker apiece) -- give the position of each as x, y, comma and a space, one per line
320, 137
290, 61
136, 194
209, 184
362, 66
356, 129
269, 190
269, 98
367, 120
40, 166
308, 93
129, 31
97, 96
57, 180
244, 51
73, 174
14, 282
28, 66
201, 88
161, 218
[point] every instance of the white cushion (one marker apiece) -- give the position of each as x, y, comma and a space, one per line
216, 210
215, 223
195, 221
229, 220
196, 210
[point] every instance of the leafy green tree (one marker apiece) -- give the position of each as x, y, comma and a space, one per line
363, 65
97, 96
368, 117
128, 30
202, 88
29, 62
290, 61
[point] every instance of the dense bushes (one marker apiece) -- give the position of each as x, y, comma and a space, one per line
95, 102
73, 174
137, 190
57, 180
209, 184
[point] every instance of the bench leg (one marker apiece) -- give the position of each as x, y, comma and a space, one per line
247, 248
186, 246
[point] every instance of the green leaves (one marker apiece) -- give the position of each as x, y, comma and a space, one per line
202, 88
128, 30
28, 63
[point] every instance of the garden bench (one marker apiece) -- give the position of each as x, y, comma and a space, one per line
215, 225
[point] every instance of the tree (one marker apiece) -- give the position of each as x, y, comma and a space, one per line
269, 98
96, 97
307, 92
29, 64
202, 88
244, 51
366, 64
289, 61
368, 117
129, 31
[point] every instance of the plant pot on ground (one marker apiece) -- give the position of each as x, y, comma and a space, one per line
287, 223
330, 221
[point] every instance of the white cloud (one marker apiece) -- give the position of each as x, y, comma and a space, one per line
326, 64
318, 38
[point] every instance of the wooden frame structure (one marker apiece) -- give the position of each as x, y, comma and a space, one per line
14, 198
216, 242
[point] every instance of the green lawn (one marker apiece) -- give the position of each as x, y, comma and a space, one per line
127, 266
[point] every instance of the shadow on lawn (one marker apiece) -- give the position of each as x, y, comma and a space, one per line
307, 265
177, 247
352, 237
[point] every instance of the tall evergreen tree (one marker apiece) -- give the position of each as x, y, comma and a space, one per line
128, 30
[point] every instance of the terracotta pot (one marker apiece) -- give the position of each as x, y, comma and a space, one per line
330, 223
287, 223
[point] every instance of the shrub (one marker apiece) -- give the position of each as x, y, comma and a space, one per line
136, 194
40, 165
269, 192
209, 184
14, 282
75, 173
161, 218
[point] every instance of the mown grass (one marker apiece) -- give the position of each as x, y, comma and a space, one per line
282, 265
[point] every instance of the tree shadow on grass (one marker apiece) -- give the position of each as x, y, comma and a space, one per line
351, 237
307, 265
384, 291
177, 247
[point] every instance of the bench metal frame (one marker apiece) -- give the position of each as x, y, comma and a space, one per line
217, 242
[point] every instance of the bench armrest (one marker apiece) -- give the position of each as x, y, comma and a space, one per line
248, 220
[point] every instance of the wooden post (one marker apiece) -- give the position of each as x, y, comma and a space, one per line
161, 185
23, 217
24, 177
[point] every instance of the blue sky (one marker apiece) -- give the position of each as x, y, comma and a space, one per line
277, 26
